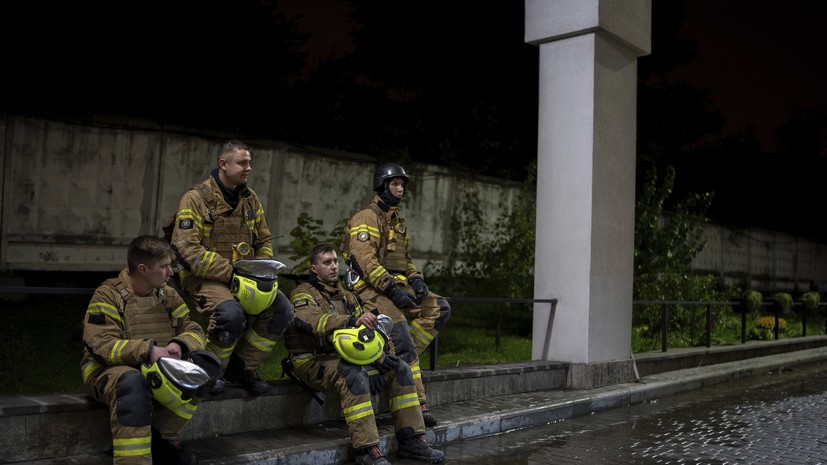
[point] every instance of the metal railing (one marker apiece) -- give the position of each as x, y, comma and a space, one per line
666, 304
434, 347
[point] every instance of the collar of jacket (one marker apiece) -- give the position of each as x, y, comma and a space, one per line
327, 289
387, 209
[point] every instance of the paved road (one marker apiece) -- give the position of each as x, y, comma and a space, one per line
774, 418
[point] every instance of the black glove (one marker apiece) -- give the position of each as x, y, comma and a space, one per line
420, 289
388, 363
376, 380
399, 297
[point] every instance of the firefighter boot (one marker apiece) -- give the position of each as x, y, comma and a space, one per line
248, 379
427, 416
170, 451
417, 448
370, 455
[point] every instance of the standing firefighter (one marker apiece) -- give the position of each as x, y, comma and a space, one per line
377, 245
137, 336
219, 222
333, 345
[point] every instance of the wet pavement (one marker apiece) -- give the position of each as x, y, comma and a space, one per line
765, 419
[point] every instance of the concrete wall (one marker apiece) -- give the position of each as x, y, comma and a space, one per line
764, 260
75, 194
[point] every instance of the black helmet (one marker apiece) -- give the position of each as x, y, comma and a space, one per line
385, 172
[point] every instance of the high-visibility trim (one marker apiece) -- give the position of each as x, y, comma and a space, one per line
421, 334
204, 264
185, 410
222, 353
365, 409
303, 296
404, 401
132, 447
364, 228
88, 369
265, 250
195, 336
102, 308
372, 371
116, 354
377, 273
320, 327
400, 279
181, 311
416, 371
189, 214
259, 342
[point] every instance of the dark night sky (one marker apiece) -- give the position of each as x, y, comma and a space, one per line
230, 65
758, 58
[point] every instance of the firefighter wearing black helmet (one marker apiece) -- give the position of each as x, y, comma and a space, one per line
377, 245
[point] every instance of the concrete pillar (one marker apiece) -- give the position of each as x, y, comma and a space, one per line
586, 181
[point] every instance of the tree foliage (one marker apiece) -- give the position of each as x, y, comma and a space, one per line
308, 233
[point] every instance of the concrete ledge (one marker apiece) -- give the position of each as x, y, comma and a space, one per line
48, 426
654, 362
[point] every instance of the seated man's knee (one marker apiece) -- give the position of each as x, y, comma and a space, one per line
403, 342
230, 321
355, 377
133, 399
282, 315
444, 313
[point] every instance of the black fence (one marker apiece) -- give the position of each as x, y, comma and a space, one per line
736, 306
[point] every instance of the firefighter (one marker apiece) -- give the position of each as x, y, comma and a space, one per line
218, 222
333, 345
377, 245
135, 321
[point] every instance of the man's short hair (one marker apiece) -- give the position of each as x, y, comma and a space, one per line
148, 250
230, 146
324, 247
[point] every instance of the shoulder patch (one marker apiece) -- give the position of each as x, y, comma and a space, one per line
251, 215
362, 237
185, 224
300, 303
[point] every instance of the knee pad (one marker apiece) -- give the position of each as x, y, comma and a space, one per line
444, 313
133, 400
403, 342
356, 379
282, 315
404, 377
230, 321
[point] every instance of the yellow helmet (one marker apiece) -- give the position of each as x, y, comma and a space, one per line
173, 382
360, 346
255, 283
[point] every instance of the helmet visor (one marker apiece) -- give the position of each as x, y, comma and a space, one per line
259, 269
185, 375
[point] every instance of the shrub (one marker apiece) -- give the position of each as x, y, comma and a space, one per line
811, 300
751, 301
783, 302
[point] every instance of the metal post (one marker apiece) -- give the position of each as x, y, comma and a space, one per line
434, 353
803, 321
664, 318
708, 325
547, 342
743, 327
776, 325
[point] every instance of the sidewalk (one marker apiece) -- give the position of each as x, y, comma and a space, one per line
328, 444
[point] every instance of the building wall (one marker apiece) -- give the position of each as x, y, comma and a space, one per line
74, 195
